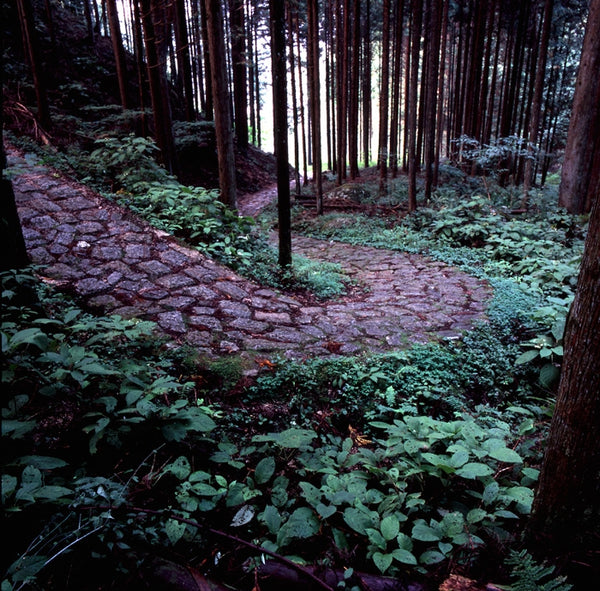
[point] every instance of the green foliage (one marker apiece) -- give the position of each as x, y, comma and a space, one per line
126, 163
528, 575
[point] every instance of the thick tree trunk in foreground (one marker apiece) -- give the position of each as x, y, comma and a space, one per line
221, 103
566, 514
583, 138
277, 11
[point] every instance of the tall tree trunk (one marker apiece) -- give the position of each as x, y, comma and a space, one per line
32, 51
354, 92
209, 109
221, 103
417, 17
433, 58
384, 94
153, 20
396, 83
315, 98
118, 50
295, 135
240, 79
184, 64
278, 60
366, 81
583, 141
536, 106
566, 515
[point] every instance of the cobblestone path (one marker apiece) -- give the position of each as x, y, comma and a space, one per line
119, 264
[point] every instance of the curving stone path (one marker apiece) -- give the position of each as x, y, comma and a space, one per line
117, 263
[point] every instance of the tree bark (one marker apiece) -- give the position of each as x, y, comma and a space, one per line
566, 514
584, 126
32, 51
152, 13
315, 98
279, 69
417, 16
240, 78
384, 93
221, 103
118, 50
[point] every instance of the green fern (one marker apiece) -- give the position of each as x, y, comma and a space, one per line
528, 575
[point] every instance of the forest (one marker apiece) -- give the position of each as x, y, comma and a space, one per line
300, 294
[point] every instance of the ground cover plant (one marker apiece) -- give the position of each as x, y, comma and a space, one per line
413, 464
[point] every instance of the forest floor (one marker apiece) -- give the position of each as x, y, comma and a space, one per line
114, 262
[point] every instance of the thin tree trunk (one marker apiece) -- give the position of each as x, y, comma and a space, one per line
296, 138
417, 16
184, 64
315, 98
384, 100
31, 48
221, 103
278, 60
354, 88
152, 18
240, 86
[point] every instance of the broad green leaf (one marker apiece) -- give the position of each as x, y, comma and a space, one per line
325, 511
390, 527
422, 532
180, 468
41, 462
29, 336
548, 375
490, 493
505, 454
404, 556
272, 518
52, 493
476, 515
264, 470
175, 530
382, 561
527, 356
474, 470
431, 557
358, 520
302, 524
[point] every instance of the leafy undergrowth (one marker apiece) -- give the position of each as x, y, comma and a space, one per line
118, 451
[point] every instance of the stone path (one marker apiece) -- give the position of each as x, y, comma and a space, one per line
118, 263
